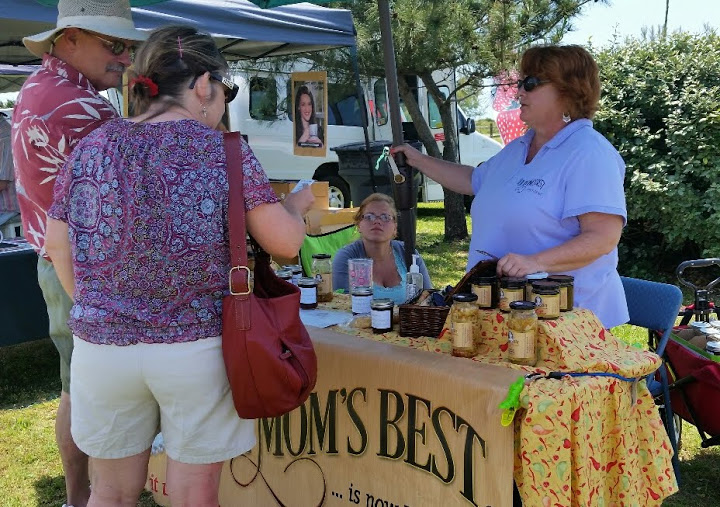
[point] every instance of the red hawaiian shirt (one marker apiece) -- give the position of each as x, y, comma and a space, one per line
57, 106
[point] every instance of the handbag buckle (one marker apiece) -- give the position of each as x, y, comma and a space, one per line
230, 283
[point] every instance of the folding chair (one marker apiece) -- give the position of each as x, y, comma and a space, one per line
655, 306
328, 243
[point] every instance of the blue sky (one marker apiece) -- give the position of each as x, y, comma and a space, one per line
599, 22
628, 17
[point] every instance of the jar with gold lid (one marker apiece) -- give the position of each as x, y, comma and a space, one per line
511, 289
546, 296
522, 337
462, 324
567, 291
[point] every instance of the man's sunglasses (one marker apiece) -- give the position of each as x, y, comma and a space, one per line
115, 46
530, 83
231, 89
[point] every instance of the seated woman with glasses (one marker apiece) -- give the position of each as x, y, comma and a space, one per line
376, 221
552, 200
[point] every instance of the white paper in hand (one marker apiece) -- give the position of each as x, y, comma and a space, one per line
302, 184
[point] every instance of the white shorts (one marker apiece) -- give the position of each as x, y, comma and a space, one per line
120, 394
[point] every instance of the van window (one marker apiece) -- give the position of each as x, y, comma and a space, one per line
381, 105
344, 108
433, 112
263, 98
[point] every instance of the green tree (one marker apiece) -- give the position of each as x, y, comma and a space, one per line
477, 37
661, 109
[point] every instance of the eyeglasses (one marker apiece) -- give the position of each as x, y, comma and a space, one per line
384, 217
530, 83
231, 89
115, 46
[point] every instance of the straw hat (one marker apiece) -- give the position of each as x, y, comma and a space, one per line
107, 17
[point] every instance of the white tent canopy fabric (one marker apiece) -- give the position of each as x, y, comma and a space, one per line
241, 29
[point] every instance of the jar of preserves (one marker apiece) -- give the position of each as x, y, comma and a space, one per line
296, 270
546, 296
567, 291
511, 289
360, 299
322, 271
284, 274
485, 288
381, 311
522, 338
462, 324
308, 293
533, 277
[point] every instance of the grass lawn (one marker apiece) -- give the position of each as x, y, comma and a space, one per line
30, 471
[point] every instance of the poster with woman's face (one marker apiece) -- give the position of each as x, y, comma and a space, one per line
309, 113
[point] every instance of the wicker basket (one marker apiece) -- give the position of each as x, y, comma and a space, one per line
416, 320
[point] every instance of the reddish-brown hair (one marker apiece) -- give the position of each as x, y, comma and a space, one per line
572, 70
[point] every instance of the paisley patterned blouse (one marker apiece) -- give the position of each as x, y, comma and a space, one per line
146, 207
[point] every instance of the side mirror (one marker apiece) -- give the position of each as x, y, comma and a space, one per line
469, 127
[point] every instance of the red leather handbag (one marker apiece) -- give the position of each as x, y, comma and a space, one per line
269, 357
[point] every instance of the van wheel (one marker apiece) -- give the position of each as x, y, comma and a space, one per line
338, 192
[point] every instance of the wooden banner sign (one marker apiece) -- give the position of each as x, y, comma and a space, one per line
385, 426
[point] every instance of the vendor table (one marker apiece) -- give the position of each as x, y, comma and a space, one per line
23, 314
578, 440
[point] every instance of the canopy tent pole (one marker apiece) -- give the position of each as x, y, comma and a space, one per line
405, 193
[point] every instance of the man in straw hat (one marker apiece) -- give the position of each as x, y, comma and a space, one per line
58, 105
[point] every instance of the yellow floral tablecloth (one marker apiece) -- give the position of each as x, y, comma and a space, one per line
579, 440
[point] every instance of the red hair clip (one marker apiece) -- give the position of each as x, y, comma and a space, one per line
146, 82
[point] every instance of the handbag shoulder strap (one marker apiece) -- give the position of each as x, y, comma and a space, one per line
236, 205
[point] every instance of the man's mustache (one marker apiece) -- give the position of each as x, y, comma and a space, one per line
115, 68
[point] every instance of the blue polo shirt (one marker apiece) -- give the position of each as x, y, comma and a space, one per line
527, 208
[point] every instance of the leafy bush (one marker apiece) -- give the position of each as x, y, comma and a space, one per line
661, 109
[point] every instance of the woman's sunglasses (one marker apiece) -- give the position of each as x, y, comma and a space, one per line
384, 217
231, 89
530, 83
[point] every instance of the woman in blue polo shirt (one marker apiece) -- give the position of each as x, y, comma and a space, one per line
553, 199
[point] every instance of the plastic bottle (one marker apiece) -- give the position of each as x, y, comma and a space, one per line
414, 280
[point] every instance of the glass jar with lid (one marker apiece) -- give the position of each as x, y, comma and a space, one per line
360, 299
546, 296
296, 270
533, 277
284, 274
381, 311
308, 293
486, 290
322, 271
462, 324
522, 338
567, 291
511, 289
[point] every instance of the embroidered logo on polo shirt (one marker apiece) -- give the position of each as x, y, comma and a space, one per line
535, 186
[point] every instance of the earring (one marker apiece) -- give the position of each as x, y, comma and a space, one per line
204, 112
566, 118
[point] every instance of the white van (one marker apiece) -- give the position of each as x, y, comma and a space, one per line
262, 111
